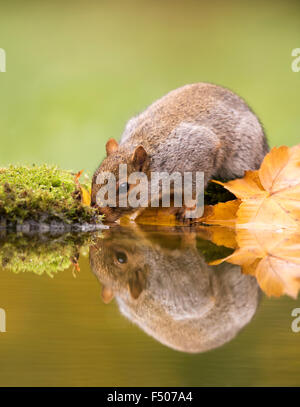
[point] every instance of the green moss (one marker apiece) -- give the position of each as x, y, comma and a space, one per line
41, 191
21, 254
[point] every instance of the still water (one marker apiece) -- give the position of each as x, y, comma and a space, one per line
138, 306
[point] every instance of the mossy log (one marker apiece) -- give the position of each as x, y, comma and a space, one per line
44, 197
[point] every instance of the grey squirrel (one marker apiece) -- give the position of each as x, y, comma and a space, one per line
163, 284
198, 127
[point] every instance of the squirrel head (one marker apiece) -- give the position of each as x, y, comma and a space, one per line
136, 161
119, 266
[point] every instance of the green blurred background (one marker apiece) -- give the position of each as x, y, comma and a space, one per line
76, 72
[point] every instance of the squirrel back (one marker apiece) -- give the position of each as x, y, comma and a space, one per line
197, 128
196, 120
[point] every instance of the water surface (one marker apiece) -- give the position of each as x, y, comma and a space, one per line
145, 309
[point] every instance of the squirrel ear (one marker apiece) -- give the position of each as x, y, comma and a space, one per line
107, 294
137, 284
140, 158
111, 146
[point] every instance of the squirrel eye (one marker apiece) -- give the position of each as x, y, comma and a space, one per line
121, 257
123, 188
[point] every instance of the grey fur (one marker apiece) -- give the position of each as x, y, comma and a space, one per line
184, 303
199, 127
223, 140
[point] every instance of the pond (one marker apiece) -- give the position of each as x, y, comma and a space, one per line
138, 306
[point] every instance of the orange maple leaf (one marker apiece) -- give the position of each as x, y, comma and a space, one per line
270, 197
267, 222
272, 257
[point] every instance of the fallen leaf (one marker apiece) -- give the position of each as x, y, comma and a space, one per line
157, 216
267, 223
272, 257
85, 196
85, 191
78, 175
219, 235
223, 214
165, 216
248, 187
270, 197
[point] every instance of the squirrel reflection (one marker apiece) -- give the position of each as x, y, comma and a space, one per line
162, 283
